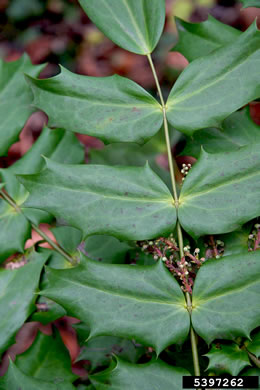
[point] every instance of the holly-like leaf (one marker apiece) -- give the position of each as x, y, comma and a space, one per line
150, 376
226, 297
47, 359
133, 25
141, 302
251, 3
199, 39
16, 379
59, 145
237, 130
17, 290
126, 202
221, 192
16, 98
213, 87
227, 358
254, 345
113, 109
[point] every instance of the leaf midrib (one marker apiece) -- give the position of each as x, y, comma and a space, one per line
122, 198
173, 102
215, 188
124, 295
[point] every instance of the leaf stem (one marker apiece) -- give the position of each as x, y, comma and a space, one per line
193, 336
56, 247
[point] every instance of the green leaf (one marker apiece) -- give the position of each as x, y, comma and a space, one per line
226, 297
50, 311
16, 98
227, 359
237, 130
235, 242
150, 376
106, 249
68, 238
199, 39
47, 359
60, 146
113, 109
17, 290
221, 192
250, 3
133, 25
254, 345
99, 351
16, 379
141, 302
208, 90
126, 202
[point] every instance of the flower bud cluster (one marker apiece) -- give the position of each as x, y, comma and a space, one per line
185, 170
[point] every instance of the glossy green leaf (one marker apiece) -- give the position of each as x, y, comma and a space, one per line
226, 297
16, 98
126, 202
253, 346
251, 3
113, 109
228, 358
48, 311
213, 87
17, 290
199, 39
140, 302
47, 359
59, 145
133, 25
237, 130
16, 379
221, 192
150, 376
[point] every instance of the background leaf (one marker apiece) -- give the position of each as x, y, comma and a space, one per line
250, 3
151, 376
16, 99
16, 379
208, 90
121, 201
17, 289
199, 39
140, 302
58, 144
133, 25
253, 346
237, 130
221, 191
226, 297
227, 358
47, 359
113, 109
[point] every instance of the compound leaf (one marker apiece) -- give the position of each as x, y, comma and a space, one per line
150, 376
133, 25
213, 87
199, 39
17, 290
16, 99
127, 202
237, 130
113, 109
221, 192
16, 379
141, 302
228, 358
47, 359
226, 297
